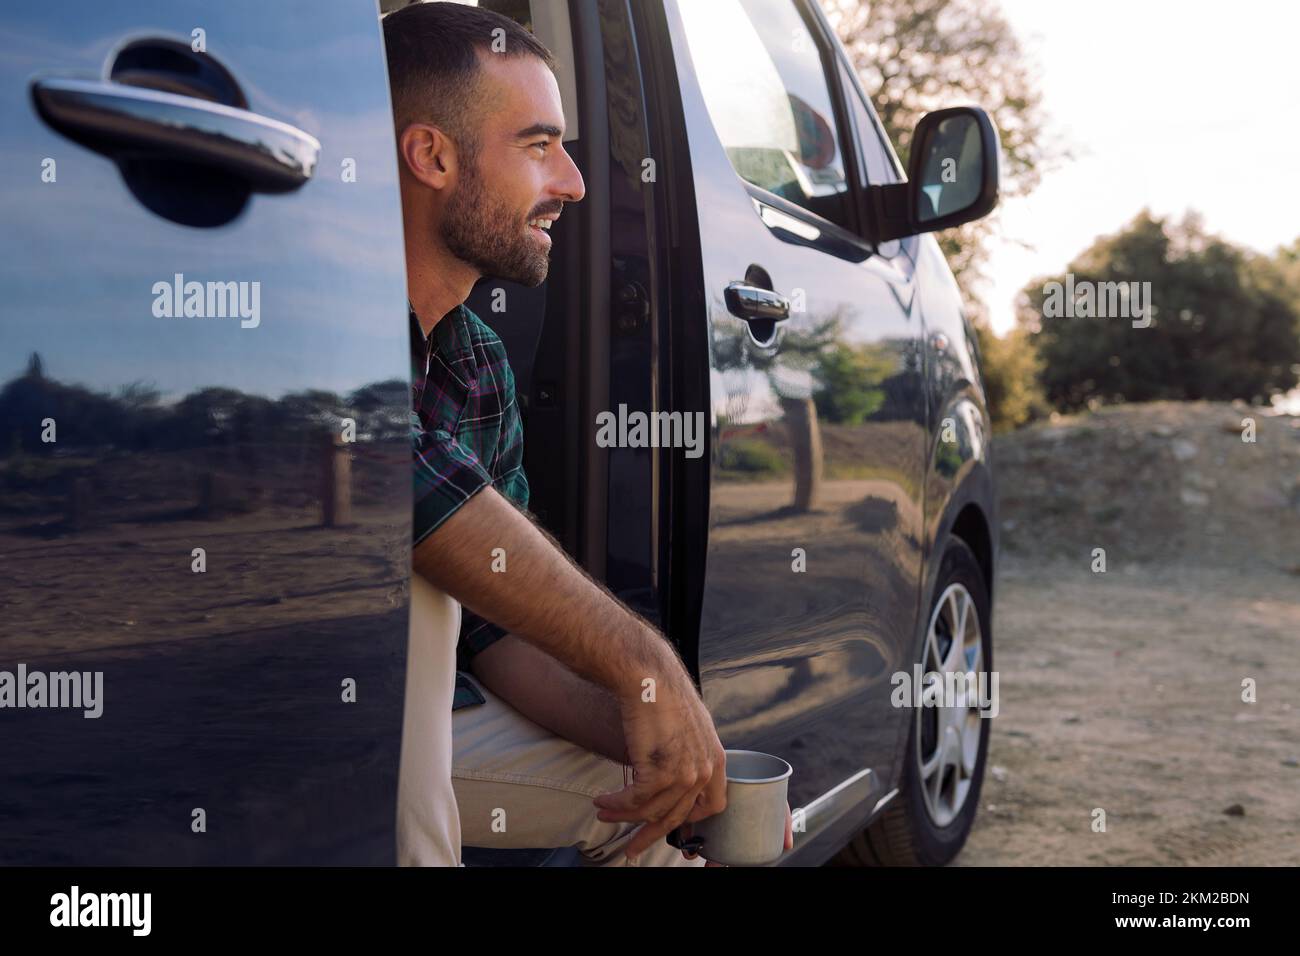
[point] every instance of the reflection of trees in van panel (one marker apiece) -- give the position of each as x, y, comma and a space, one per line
828, 402
127, 453
135, 417
852, 380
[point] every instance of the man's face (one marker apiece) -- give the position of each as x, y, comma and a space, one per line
521, 174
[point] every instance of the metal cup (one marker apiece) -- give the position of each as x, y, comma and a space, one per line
751, 831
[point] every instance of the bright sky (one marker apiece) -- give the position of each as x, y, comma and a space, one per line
1173, 105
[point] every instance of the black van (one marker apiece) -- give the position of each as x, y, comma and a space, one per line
204, 418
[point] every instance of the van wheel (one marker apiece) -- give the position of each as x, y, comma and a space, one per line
927, 823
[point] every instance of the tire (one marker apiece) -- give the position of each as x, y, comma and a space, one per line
907, 832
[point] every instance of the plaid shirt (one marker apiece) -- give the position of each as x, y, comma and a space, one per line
466, 434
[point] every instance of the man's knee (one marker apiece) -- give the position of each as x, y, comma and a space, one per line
521, 808
519, 786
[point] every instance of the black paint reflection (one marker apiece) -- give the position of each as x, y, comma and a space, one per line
815, 543
222, 686
183, 506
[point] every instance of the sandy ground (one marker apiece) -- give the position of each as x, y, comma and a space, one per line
1123, 690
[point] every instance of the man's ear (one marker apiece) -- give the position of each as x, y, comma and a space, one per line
428, 154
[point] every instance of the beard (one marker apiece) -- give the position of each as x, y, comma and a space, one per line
484, 233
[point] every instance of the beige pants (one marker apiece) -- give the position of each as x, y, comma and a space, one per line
428, 826
520, 786
517, 785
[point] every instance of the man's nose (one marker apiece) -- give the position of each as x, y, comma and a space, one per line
571, 186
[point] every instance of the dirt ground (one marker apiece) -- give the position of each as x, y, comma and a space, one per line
1122, 691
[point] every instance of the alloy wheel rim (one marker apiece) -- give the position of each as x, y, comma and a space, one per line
948, 738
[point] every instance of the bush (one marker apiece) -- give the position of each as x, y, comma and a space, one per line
751, 456
1222, 327
1010, 367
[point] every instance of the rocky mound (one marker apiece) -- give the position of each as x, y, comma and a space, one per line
1160, 481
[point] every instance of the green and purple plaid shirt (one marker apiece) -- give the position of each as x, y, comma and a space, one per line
466, 434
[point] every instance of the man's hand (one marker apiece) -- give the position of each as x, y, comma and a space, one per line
543, 597
682, 781
552, 696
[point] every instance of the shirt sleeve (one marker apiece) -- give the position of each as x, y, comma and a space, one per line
511, 480
477, 633
446, 476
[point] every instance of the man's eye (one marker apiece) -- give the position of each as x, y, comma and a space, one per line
544, 143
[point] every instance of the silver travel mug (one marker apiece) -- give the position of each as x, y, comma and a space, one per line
751, 831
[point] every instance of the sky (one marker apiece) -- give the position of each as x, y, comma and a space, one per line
1171, 105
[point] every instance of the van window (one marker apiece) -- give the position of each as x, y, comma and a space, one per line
873, 147
764, 83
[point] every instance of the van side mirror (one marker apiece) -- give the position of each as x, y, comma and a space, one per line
952, 176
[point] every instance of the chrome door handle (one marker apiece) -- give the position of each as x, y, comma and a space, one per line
106, 116
754, 304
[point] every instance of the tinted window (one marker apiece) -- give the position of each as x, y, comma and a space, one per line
879, 165
763, 81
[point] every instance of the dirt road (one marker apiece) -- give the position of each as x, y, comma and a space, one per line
1122, 690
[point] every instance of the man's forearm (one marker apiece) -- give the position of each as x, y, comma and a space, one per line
541, 596
550, 695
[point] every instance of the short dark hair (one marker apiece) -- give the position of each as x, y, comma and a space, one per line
433, 64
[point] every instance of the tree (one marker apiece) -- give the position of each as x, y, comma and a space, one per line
1282, 273
914, 56
1011, 367
1220, 326
851, 381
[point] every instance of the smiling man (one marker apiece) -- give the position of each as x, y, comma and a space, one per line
554, 711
